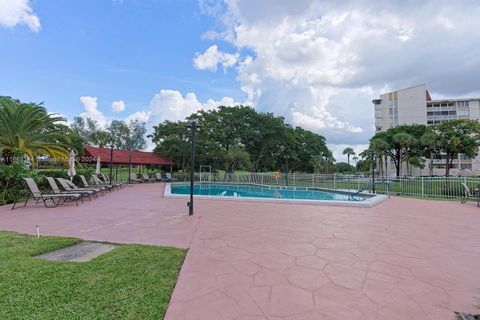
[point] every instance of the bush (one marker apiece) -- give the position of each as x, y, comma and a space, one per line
11, 179
13, 187
343, 167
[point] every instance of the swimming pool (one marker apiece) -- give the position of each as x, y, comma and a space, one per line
270, 193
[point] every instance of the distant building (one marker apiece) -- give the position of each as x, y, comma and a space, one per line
415, 106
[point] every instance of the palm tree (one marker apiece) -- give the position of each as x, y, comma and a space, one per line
349, 152
430, 142
404, 141
27, 127
379, 148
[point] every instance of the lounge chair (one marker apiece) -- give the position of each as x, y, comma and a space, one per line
169, 177
70, 186
56, 189
87, 185
106, 178
469, 195
100, 183
146, 178
158, 177
38, 196
134, 178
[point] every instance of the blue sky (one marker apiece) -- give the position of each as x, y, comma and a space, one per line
111, 50
317, 63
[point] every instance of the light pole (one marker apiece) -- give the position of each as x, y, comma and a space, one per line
192, 126
373, 173
111, 163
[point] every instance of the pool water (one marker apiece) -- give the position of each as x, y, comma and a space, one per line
269, 192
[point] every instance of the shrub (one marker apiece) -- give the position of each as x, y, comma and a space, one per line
13, 187
11, 178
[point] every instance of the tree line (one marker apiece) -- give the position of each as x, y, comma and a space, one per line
119, 134
409, 146
239, 137
28, 128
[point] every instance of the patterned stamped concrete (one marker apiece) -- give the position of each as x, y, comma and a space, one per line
402, 259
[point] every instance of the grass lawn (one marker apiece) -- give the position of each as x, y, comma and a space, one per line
130, 282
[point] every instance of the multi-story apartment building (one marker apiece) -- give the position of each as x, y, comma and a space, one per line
415, 106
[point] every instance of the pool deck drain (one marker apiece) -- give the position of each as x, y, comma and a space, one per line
81, 252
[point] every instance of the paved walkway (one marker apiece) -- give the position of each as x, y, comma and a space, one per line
402, 259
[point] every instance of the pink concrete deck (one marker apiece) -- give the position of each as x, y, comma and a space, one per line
402, 259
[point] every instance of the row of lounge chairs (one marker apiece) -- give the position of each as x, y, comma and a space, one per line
100, 186
157, 177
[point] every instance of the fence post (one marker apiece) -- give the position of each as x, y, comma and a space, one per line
294, 179
334, 182
423, 188
313, 180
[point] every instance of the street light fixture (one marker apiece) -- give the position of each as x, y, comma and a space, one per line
192, 126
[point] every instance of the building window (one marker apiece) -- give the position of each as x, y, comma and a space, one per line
463, 103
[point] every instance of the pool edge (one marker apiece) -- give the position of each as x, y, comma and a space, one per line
370, 202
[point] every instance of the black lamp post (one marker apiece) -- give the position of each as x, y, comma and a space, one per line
373, 173
192, 126
111, 162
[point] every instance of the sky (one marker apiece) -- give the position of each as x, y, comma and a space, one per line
316, 63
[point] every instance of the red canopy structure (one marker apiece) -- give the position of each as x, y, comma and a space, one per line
124, 157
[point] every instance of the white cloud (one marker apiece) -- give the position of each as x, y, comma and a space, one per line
14, 12
320, 63
91, 110
142, 116
211, 58
118, 106
172, 105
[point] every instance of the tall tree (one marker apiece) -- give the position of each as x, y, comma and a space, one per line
129, 136
431, 143
455, 137
266, 139
29, 128
89, 132
402, 144
349, 152
172, 139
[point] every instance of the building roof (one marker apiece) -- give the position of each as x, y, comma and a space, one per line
124, 156
454, 100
